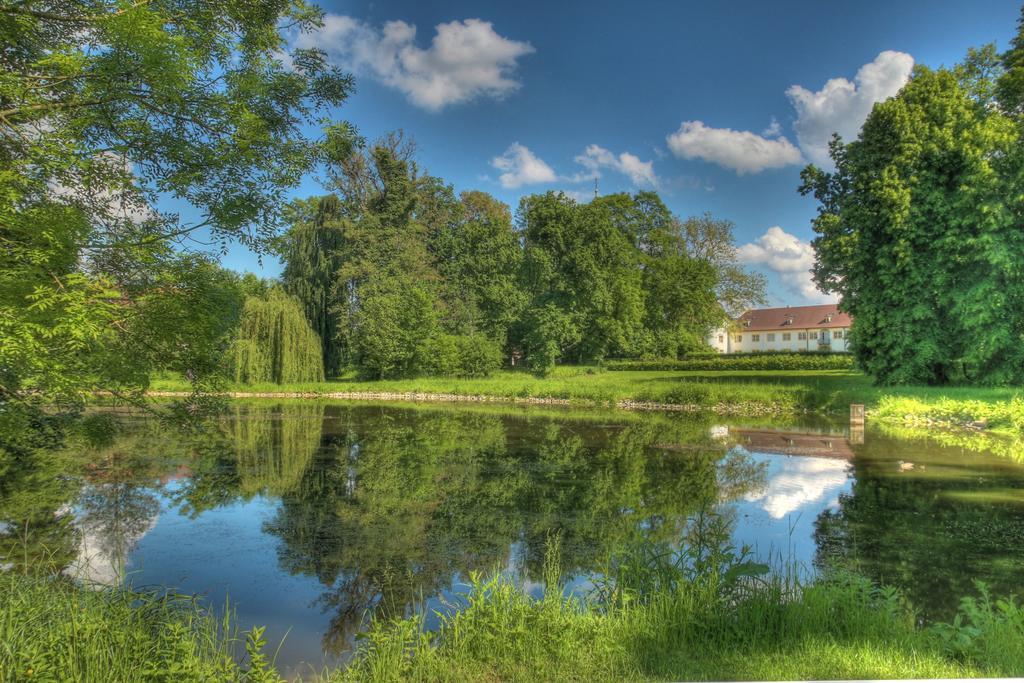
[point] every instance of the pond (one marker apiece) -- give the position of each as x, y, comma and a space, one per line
308, 517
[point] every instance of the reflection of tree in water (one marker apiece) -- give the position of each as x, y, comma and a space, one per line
39, 490
403, 501
907, 527
118, 502
274, 444
37, 531
257, 448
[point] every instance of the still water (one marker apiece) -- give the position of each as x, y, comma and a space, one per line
309, 517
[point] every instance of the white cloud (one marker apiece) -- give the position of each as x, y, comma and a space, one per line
742, 151
842, 106
466, 59
595, 157
788, 256
521, 167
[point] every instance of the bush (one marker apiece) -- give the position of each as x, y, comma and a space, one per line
449, 355
478, 355
747, 361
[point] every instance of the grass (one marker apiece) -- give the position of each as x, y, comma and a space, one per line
719, 627
699, 611
55, 630
842, 627
743, 392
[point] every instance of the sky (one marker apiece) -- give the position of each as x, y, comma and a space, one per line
717, 106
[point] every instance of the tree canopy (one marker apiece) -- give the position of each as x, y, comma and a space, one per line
424, 281
919, 227
106, 106
275, 342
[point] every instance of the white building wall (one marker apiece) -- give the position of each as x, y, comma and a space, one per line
810, 339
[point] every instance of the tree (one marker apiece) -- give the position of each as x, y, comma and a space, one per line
479, 258
105, 106
1009, 87
919, 233
312, 251
711, 241
577, 261
275, 342
392, 328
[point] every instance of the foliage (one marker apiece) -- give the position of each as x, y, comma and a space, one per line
619, 276
584, 276
1005, 416
275, 342
392, 329
106, 106
762, 361
479, 260
918, 230
986, 629
311, 251
462, 355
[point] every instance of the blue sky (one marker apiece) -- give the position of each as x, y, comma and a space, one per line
696, 99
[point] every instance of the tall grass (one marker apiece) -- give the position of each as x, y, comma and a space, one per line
722, 624
692, 616
52, 629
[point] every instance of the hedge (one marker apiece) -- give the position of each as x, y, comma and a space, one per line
746, 361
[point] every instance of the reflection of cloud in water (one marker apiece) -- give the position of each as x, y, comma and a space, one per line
103, 548
793, 482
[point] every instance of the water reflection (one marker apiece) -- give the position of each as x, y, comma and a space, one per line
930, 519
315, 516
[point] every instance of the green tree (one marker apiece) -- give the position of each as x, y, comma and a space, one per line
312, 251
919, 233
577, 261
1009, 87
711, 241
393, 327
106, 106
479, 258
275, 342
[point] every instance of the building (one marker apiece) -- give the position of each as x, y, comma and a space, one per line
796, 328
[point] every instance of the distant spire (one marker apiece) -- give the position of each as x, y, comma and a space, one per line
595, 188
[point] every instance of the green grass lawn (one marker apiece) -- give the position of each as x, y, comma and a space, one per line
815, 391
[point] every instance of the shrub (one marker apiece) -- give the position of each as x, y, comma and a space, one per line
478, 355
752, 361
451, 355
686, 395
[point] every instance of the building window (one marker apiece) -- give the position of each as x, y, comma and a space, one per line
801, 335
721, 338
838, 334
814, 335
786, 336
771, 336
755, 337
739, 338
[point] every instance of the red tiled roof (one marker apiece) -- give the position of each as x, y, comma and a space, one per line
794, 317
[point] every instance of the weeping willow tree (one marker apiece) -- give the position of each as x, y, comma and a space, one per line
275, 342
274, 445
312, 256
